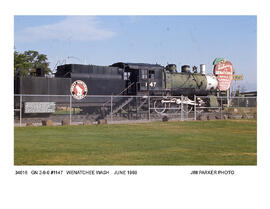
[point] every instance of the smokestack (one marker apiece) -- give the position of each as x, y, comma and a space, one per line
202, 69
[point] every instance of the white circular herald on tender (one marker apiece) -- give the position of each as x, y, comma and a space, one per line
78, 89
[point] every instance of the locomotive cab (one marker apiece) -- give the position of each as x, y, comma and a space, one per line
141, 78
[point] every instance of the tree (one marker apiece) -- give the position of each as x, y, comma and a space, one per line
27, 62
21, 64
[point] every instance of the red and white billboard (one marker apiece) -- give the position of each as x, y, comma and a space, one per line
224, 73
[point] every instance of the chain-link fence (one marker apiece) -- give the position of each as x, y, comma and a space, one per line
226, 107
64, 109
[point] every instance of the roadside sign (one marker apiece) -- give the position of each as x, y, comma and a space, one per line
39, 107
224, 72
238, 77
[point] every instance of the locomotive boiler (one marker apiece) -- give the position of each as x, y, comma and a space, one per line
187, 83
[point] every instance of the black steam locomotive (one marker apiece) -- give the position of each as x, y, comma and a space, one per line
123, 79
119, 78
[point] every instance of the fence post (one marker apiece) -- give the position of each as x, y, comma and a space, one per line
195, 118
111, 108
148, 107
221, 104
182, 106
70, 108
228, 98
20, 110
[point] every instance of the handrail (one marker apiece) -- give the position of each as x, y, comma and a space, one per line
126, 88
120, 93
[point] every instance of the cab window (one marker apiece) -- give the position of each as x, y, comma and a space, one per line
144, 74
151, 74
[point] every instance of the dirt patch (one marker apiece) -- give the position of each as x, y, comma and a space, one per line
239, 153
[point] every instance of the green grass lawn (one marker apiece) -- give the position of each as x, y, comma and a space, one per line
228, 142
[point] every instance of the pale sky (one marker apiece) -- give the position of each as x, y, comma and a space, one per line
104, 40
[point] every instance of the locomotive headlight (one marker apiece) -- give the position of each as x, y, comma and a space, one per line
212, 82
